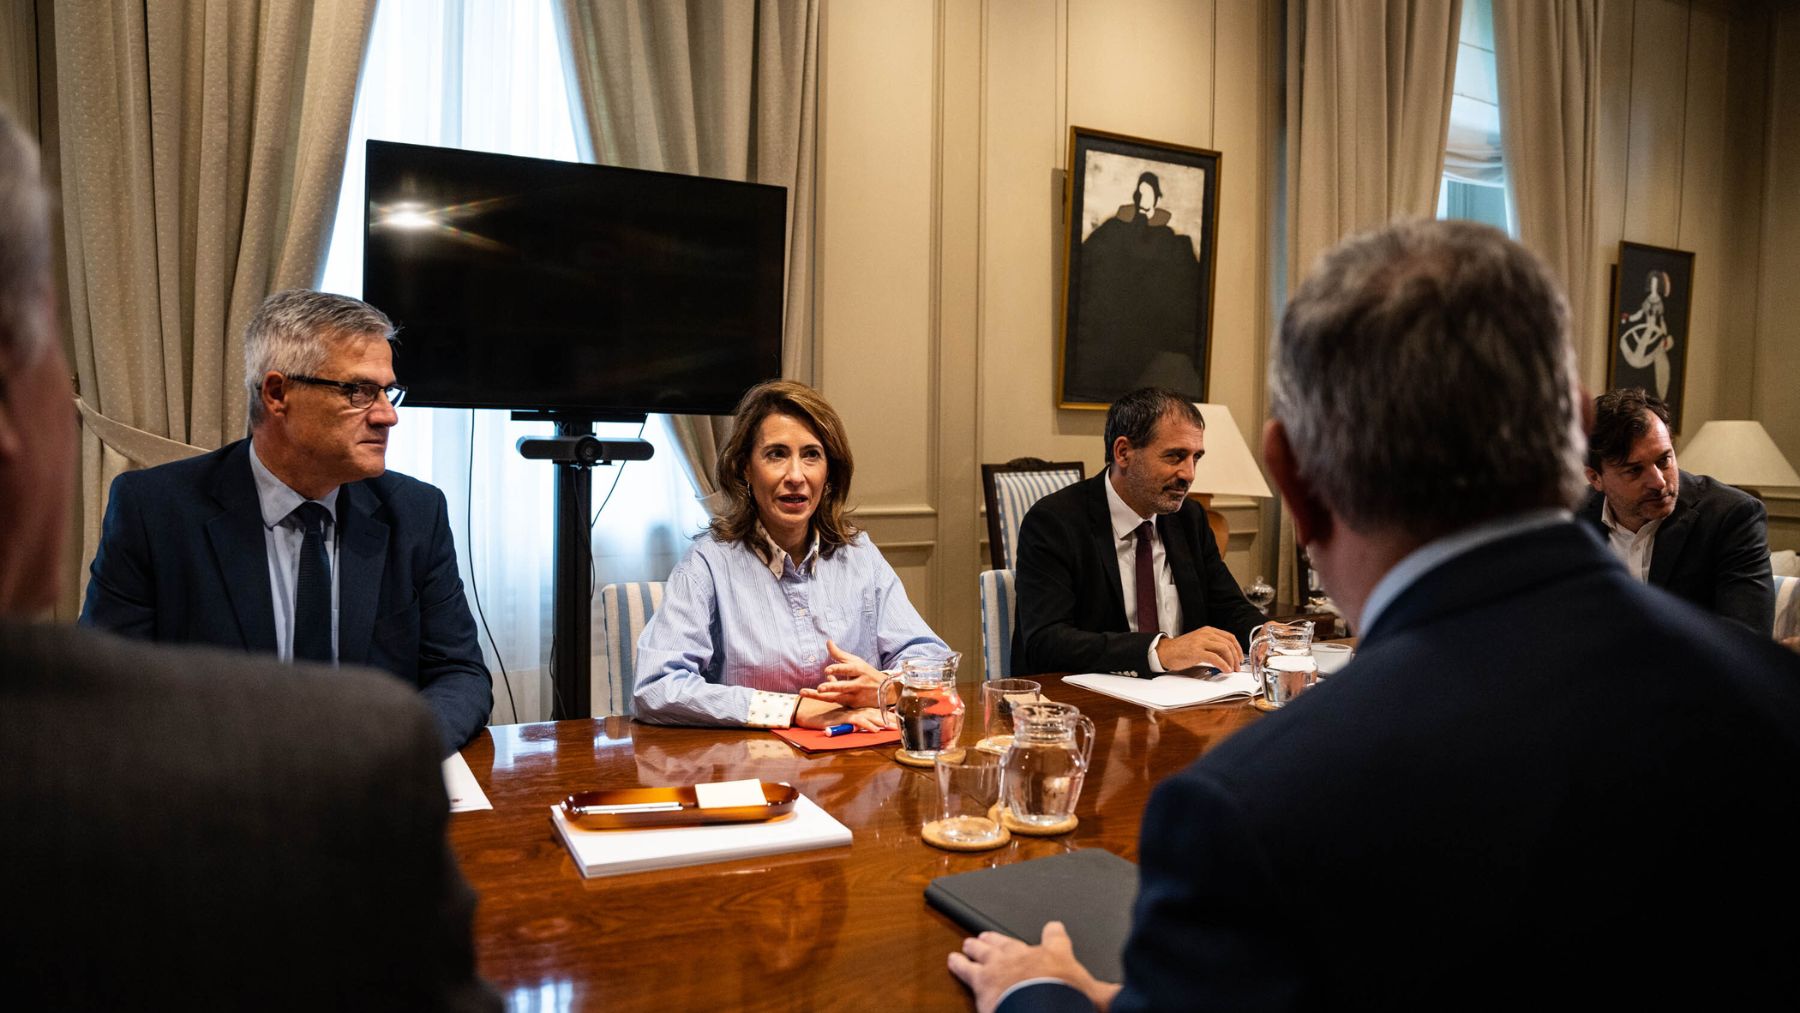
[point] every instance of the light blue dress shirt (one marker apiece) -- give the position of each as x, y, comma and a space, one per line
728, 626
281, 539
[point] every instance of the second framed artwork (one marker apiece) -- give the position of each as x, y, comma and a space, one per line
1140, 230
1653, 290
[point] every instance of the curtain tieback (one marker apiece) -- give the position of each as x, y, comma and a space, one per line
143, 448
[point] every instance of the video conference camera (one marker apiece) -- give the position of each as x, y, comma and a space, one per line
583, 451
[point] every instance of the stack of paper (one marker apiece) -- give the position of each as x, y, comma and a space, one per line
1170, 692
615, 852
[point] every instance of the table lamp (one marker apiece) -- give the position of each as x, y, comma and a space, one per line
1735, 451
1227, 469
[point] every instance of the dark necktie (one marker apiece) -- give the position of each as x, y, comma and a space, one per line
1147, 621
312, 591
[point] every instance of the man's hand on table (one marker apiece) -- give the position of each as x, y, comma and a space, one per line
1205, 646
993, 962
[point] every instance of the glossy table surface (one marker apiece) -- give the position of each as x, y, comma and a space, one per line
840, 928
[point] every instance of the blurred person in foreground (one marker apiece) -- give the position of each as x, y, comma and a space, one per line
781, 613
191, 826
1538, 781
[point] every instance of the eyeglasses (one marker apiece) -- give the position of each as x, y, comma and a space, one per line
360, 395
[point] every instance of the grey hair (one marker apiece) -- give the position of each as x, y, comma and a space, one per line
291, 334
24, 246
1425, 378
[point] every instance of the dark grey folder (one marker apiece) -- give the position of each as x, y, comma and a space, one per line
1090, 891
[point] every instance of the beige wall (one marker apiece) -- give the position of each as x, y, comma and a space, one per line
944, 131
1698, 134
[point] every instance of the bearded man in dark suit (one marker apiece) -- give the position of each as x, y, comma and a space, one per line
1120, 573
192, 827
1539, 780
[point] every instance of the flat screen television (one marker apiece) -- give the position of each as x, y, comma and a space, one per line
532, 284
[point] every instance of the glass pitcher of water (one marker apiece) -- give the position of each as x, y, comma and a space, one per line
1281, 658
923, 700
1042, 771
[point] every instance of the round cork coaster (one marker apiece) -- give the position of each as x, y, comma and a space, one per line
1262, 704
936, 839
1008, 821
913, 761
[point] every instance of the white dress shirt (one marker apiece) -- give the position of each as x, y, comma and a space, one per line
1125, 523
281, 540
1632, 547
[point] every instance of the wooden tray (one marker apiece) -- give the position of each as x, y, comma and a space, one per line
626, 808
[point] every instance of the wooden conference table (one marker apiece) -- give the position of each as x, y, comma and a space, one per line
839, 928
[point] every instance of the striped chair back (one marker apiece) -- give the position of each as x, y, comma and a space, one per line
1010, 489
1787, 607
997, 601
624, 609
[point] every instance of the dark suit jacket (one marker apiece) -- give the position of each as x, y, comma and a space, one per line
1538, 782
182, 560
190, 827
1713, 551
1071, 606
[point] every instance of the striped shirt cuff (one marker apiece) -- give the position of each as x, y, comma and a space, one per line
772, 710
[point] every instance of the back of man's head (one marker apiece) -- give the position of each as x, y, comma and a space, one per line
24, 248
37, 424
1426, 383
1621, 418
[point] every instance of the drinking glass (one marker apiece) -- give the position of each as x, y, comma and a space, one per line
968, 789
998, 698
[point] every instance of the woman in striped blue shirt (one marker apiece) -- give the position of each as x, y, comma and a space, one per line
783, 613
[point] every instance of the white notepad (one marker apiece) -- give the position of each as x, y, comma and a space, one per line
615, 852
1169, 692
460, 784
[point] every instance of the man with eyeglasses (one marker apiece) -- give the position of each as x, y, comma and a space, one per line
298, 541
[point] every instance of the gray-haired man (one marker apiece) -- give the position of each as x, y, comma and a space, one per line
1526, 785
297, 542
189, 826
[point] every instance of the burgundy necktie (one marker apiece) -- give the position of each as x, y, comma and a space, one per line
1146, 582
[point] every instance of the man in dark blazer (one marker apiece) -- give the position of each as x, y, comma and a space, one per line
1082, 550
1689, 534
1539, 781
190, 827
214, 549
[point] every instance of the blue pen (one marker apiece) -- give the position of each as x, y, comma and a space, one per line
839, 729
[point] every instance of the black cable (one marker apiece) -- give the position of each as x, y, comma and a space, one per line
474, 586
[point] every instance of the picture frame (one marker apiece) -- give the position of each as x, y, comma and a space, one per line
1647, 333
1140, 228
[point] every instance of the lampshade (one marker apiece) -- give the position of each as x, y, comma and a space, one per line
1737, 451
1227, 468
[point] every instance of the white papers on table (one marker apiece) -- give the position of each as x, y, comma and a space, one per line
615, 852
1169, 692
459, 782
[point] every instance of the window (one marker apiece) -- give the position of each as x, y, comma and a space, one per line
1474, 183
488, 75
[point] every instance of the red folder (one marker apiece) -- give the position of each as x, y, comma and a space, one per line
815, 741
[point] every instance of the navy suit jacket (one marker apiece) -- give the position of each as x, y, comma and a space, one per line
1712, 550
182, 560
1071, 602
183, 834
1538, 782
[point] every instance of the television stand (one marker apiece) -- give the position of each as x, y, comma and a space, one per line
574, 450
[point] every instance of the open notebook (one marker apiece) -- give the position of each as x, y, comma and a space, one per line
1169, 692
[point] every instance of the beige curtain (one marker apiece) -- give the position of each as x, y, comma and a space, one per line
725, 88
1547, 56
202, 152
1369, 84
